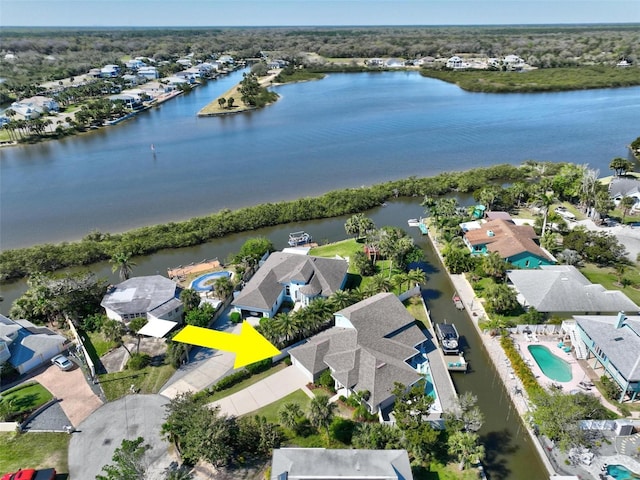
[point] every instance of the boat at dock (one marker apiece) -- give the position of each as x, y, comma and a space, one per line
299, 238
413, 222
456, 363
457, 301
448, 337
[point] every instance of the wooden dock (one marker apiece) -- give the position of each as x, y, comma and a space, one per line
180, 272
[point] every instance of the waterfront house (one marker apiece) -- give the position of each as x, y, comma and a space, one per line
562, 290
375, 62
394, 63
613, 342
513, 62
134, 64
153, 297
27, 346
374, 344
455, 62
150, 73
516, 244
131, 101
292, 277
621, 187
34, 107
354, 464
110, 71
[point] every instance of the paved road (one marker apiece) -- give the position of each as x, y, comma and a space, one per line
92, 446
626, 235
266, 391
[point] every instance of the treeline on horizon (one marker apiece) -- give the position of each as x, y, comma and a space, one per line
49, 54
98, 246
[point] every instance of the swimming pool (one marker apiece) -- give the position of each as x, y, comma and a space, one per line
620, 472
553, 367
204, 283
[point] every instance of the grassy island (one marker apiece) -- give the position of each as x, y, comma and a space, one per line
540, 80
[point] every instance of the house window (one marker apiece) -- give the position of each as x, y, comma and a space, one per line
600, 353
287, 290
526, 264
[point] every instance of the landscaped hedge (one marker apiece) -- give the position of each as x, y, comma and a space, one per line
520, 368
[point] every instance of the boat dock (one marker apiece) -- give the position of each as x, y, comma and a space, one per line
299, 239
439, 370
180, 272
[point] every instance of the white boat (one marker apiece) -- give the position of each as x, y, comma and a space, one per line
413, 222
448, 336
299, 238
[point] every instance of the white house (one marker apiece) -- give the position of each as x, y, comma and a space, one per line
513, 62
135, 64
287, 276
110, 71
455, 62
621, 187
150, 72
153, 297
27, 346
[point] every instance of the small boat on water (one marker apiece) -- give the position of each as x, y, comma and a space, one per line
457, 301
413, 222
299, 238
448, 337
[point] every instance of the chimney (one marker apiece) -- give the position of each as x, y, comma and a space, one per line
620, 320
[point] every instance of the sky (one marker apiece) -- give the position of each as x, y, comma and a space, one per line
197, 13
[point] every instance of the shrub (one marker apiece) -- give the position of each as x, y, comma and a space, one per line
138, 361
610, 388
93, 323
362, 414
326, 380
342, 430
232, 379
235, 317
8, 373
261, 366
287, 361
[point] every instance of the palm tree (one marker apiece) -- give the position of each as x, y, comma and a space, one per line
465, 446
494, 265
416, 276
341, 299
135, 326
321, 412
379, 283
544, 202
289, 414
626, 204
123, 264
223, 287
398, 280
286, 326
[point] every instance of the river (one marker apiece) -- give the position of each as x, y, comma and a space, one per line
343, 131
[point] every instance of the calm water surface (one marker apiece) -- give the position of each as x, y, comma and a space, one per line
345, 130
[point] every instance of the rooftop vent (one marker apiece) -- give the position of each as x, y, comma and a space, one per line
490, 233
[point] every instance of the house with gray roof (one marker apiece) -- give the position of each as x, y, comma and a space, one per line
563, 290
621, 187
613, 342
335, 464
27, 346
373, 345
289, 276
153, 297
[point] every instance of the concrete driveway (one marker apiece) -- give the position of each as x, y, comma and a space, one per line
92, 446
266, 391
78, 401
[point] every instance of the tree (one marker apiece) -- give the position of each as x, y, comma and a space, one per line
557, 416
321, 412
223, 287
501, 299
201, 316
222, 101
376, 436
290, 415
128, 461
363, 264
626, 204
286, 326
114, 331
231, 102
190, 299
416, 276
135, 326
494, 265
411, 405
466, 447
123, 265
543, 201
253, 250
467, 417
359, 225
620, 166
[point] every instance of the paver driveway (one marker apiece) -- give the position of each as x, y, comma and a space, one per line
77, 399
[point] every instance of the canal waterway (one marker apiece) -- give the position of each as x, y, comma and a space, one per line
346, 130
510, 453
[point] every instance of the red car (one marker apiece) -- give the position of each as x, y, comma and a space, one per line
31, 474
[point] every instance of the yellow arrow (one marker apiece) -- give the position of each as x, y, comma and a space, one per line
249, 346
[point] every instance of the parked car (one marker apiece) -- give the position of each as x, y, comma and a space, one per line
31, 474
62, 362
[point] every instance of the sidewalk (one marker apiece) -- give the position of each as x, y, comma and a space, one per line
266, 391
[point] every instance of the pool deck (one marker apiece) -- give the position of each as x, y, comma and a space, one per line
180, 272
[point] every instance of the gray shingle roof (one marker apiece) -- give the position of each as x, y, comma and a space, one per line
140, 294
325, 275
321, 463
562, 288
623, 187
372, 355
620, 345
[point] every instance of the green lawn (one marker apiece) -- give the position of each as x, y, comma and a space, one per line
437, 471
148, 380
245, 383
344, 248
416, 309
270, 412
26, 398
606, 276
100, 344
34, 450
